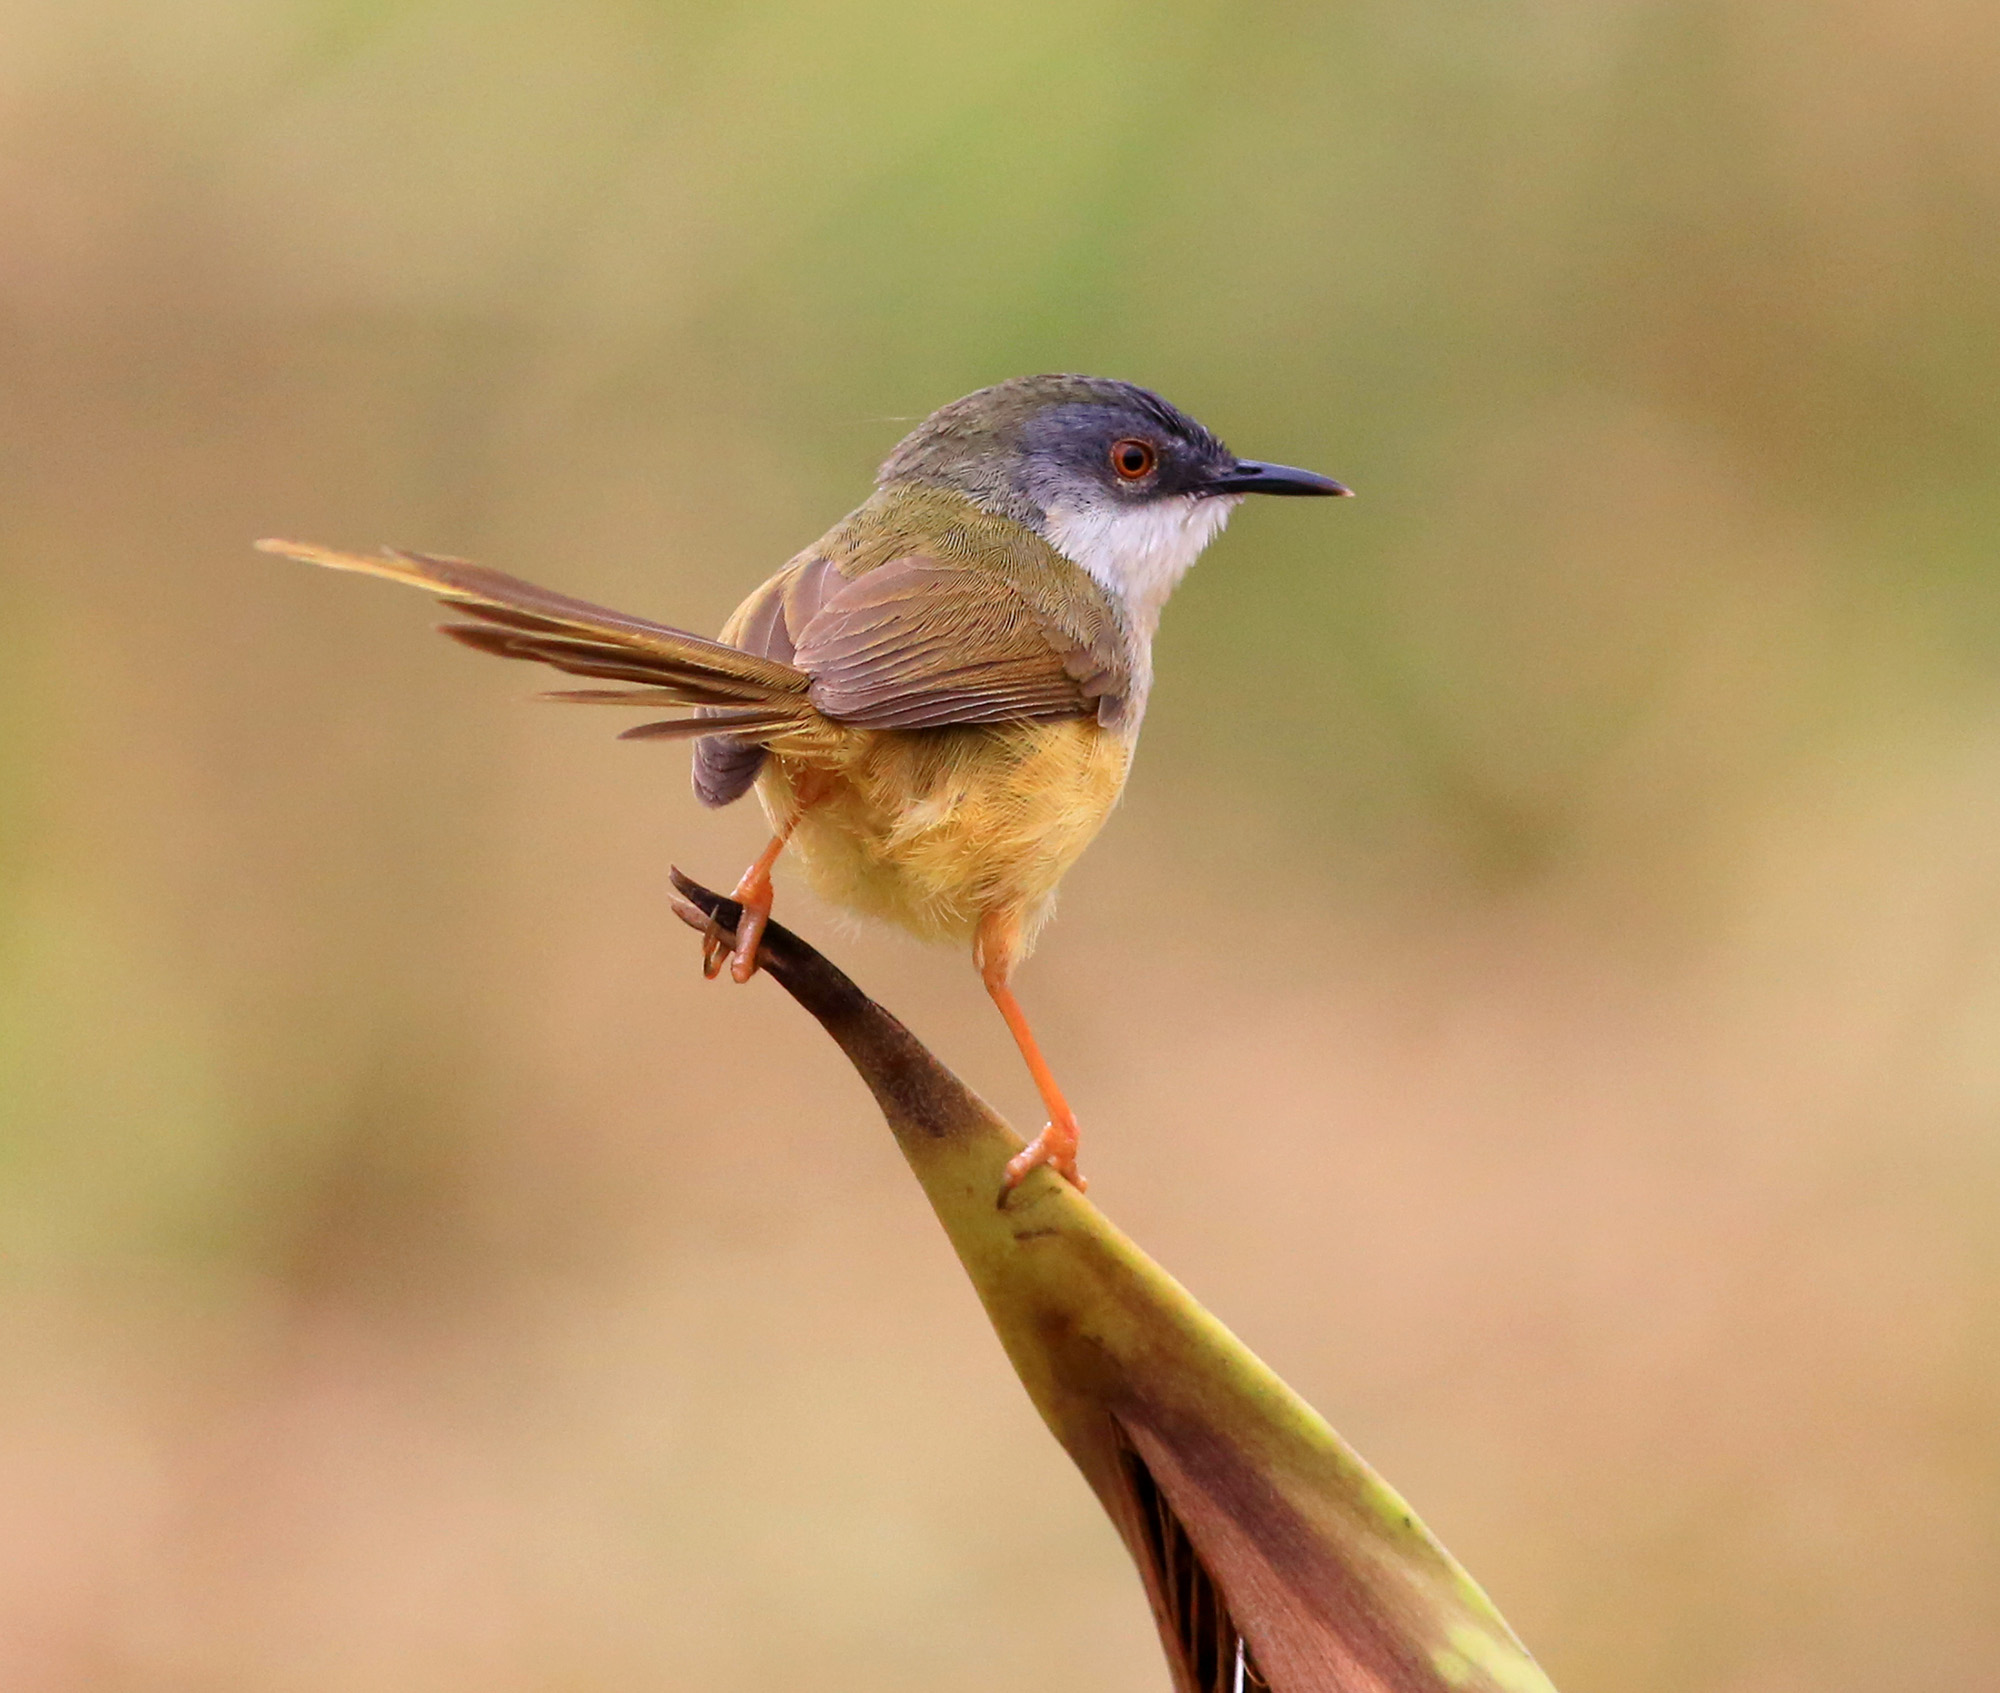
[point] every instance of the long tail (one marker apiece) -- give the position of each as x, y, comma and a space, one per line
738, 693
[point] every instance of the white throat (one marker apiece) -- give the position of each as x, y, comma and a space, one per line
1138, 553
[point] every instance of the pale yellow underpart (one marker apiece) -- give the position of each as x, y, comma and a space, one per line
932, 829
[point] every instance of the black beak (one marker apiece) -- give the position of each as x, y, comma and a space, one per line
1250, 476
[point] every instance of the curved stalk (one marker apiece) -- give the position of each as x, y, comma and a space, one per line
1273, 1556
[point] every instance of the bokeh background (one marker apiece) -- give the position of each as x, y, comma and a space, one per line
1543, 989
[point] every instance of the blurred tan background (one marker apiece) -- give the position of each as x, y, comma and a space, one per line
416, 1278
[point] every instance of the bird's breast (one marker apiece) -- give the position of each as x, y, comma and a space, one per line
931, 829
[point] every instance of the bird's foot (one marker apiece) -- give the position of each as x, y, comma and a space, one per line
1056, 1147
755, 894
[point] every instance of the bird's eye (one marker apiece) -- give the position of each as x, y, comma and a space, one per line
1133, 459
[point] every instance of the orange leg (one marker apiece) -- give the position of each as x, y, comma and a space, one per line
995, 950
755, 894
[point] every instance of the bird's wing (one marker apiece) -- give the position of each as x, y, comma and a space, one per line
919, 643
765, 625
770, 622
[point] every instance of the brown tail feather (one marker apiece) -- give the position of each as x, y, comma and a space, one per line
524, 636
749, 724
737, 693
610, 696
689, 684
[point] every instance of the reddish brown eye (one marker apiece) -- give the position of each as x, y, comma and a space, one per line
1133, 459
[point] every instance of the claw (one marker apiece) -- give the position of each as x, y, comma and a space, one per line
716, 946
749, 931
1055, 1147
754, 894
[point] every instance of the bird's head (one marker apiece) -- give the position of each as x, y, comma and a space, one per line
1112, 476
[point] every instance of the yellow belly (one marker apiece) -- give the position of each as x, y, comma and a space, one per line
934, 828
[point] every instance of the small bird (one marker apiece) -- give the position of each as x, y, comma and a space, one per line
937, 701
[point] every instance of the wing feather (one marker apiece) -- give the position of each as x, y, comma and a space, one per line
765, 625
921, 643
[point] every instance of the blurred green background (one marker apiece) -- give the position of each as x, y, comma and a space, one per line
1543, 989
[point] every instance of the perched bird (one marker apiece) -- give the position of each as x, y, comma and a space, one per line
937, 701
